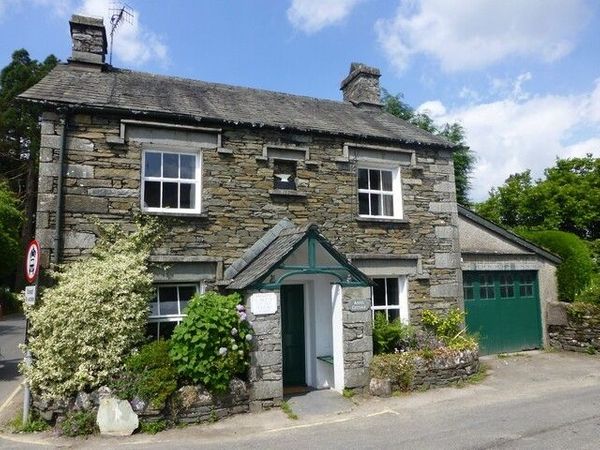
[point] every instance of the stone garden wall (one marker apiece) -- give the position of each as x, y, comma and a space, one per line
441, 371
578, 332
425, 373
190, 404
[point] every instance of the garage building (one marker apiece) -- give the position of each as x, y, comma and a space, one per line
507, 283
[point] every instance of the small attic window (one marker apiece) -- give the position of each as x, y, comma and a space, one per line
284, 174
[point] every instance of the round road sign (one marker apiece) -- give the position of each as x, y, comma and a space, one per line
32, 261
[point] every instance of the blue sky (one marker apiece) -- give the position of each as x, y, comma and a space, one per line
522, 76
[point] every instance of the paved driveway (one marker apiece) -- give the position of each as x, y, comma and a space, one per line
539, 401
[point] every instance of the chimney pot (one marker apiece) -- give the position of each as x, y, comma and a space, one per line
88, 37
361, 86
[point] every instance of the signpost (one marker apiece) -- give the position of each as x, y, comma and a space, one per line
32, 269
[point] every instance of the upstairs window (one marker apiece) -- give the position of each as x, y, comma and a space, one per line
379, 193
171, 181
284, 174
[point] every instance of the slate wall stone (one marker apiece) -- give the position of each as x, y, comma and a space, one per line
102, 183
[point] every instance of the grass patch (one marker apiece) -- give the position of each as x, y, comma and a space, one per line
476, 378
348, 393
287, 409
34, 425
153, 427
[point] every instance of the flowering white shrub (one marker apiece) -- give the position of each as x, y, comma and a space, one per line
86, 325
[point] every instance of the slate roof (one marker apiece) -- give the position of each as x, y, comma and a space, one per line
491, 226
146, 93
287, 240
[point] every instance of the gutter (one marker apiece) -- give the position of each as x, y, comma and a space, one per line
59, 191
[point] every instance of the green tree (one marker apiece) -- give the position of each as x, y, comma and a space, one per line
10, 222
567, 198
464, 158
20, 132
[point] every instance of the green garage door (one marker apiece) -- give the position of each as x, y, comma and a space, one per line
503, 309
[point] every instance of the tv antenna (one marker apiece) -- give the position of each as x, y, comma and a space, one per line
118, 15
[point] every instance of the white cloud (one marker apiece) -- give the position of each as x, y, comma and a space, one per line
311, 16
523, 132
134, 44
57, 7
466, 35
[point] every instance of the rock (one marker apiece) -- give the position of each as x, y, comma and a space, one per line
188, 396
104, 392
380, 387
238, 389
204, 397
83, 401
116, 417
138, 405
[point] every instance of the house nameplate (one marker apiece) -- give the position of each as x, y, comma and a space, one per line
263, 303
363, 304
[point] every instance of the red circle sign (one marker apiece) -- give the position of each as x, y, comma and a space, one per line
32, 261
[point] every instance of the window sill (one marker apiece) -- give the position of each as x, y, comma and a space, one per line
197, 215
381, 220
288, 193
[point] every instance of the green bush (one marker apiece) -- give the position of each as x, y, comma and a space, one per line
212, 344
86, 325
575, 272
9, 302
580, 310
149, 374
591, 294
79, 423
10, 224
389, 337
397, 367
449, 328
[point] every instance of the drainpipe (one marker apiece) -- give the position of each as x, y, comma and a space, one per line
59, 190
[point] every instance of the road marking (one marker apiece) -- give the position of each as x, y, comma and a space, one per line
385, 411
10, 397
308, 425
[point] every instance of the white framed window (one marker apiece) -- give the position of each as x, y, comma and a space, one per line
390, 296
167, 308
171, 181
379, 193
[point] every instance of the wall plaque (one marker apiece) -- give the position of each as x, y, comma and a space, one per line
363, 304
263, 303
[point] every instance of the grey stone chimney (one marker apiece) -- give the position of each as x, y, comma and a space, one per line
89, 40
361, 86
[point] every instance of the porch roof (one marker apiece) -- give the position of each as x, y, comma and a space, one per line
284, 244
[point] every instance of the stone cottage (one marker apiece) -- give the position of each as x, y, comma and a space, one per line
319, 212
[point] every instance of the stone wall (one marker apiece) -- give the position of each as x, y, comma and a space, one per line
190, 404
441, 370
358, 336
266, 366
574, 332
102, 183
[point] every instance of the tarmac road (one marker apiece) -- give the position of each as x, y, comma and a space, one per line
536, 400
12, 333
